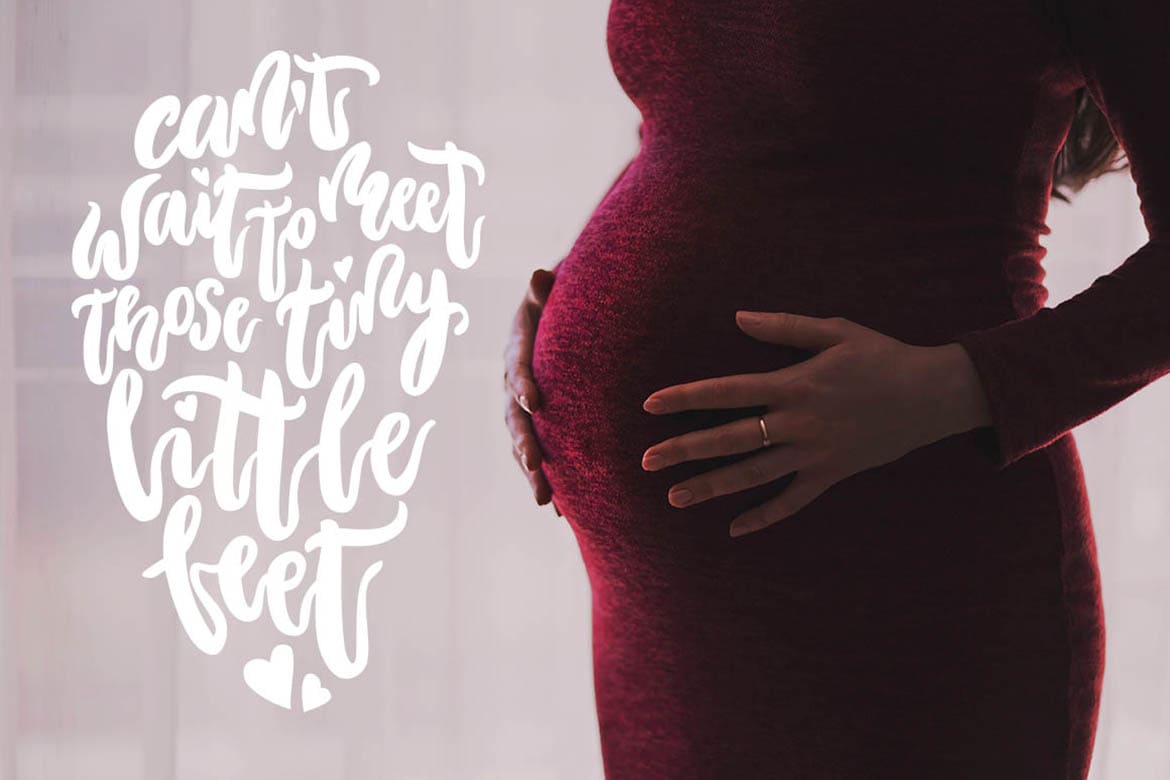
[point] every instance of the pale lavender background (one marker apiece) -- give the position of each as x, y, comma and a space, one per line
480, 659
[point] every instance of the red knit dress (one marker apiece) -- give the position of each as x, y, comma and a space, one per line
936, 617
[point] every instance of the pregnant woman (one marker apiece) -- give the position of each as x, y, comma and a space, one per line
848, 537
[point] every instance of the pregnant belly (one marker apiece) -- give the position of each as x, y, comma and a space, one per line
647, 299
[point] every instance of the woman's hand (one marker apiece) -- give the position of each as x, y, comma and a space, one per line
520, 389
864, 400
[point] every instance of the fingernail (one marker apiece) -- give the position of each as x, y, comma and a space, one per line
524, 460
652, 462
523, 400
739, 527
680, 497
654, 405
750, 316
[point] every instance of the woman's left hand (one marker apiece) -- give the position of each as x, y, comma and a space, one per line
865, 399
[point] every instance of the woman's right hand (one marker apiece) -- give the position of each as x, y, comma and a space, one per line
521, 394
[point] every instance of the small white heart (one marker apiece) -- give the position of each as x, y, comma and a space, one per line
271, 678
342, 266
186, 406
313, 694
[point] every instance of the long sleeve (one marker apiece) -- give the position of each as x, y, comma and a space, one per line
1046, 373
609, 189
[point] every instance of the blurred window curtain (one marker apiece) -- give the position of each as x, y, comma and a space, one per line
9, 680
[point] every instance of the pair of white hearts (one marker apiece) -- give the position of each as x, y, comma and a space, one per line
271, 678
